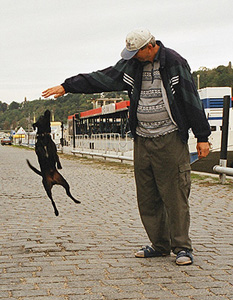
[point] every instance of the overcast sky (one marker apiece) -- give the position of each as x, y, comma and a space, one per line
45, 41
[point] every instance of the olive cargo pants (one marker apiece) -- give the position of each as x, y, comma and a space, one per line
162, 174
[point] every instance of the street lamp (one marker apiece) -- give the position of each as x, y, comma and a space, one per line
198, 81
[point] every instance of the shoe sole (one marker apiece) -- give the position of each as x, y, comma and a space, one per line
184, 263
142, 256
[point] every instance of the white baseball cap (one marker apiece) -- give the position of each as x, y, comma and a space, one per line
135, 40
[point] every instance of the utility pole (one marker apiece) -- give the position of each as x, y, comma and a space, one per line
224, 141
198, 81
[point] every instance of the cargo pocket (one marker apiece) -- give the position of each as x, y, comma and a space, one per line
184, 176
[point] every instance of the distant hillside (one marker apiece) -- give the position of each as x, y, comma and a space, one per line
220, 76
22, 114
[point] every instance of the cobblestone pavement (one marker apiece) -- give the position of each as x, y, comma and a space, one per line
87, 252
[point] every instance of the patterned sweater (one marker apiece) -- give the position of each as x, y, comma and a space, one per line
185, 105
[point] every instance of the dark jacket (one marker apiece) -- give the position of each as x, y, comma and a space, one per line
185, 104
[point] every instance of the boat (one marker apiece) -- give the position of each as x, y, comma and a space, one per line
212, 99
104, 121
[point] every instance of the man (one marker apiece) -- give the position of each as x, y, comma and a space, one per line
164, 105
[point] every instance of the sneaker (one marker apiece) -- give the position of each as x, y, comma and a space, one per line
184, 257
149, 251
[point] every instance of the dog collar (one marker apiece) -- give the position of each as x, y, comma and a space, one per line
43, 134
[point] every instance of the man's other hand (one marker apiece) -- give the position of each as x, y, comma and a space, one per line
203, 149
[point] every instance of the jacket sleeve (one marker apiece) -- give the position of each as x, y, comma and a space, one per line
106, 80
192, 105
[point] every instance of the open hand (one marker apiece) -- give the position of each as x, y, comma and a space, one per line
57, 91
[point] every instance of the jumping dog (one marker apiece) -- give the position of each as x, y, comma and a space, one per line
48, 159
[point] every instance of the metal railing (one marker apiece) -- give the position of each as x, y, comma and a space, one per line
107, 145
222, 168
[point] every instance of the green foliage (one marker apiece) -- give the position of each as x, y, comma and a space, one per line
3, 106
23, 114
220, 76
13, 105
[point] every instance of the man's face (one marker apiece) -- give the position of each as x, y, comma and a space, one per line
143, 55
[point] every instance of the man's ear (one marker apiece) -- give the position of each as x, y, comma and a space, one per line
150, 46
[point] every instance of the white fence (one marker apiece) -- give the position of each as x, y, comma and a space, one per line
108, 145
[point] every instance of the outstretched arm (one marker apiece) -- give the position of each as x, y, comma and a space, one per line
106, 80
57, 91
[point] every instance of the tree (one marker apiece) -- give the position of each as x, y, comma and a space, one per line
6, 125
220, 76
14, 105
3, 106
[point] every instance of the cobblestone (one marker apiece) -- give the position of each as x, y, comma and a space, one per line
88, 251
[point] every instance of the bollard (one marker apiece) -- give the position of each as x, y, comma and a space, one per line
62, 136
73, 133
223, 170
224, 140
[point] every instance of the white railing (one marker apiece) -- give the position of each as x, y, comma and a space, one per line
104, 142
107, 145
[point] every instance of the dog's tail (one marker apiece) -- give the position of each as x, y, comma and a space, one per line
33, 168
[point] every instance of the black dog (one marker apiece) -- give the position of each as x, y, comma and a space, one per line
48, 159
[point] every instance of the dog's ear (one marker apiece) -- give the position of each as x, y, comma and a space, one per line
47, 113
34, 125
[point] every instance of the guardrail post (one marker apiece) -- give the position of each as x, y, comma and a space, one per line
62, 136
73, 133
224, 140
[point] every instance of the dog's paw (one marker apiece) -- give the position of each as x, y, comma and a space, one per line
59, 166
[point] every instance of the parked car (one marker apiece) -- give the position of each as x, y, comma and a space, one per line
6, 141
